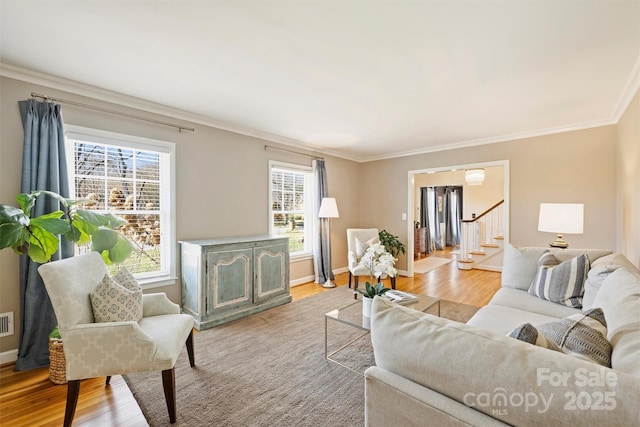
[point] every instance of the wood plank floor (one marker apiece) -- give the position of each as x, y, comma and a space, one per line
30, 399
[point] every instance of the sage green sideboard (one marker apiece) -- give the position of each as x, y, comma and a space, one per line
228, 278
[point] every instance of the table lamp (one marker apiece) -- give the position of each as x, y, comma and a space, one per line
561, 218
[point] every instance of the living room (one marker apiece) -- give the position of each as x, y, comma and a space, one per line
222, 174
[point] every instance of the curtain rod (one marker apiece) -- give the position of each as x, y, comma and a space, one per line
271, 147
106, 110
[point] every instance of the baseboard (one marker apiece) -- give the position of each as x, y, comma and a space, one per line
301, 281
8, 356
488, 267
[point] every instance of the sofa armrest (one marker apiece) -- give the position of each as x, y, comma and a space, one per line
158, 304
515, 382
391, 400
99, 349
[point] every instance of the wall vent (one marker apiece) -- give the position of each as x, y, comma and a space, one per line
6, 324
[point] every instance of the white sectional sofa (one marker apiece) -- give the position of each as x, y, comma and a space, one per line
432, 371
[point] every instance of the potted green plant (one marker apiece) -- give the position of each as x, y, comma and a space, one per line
392, 243
38, 237
379, 261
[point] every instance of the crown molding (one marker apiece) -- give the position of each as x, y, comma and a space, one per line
496, 139
629, 91
97, 93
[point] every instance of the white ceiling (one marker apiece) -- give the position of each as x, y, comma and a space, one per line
361, 79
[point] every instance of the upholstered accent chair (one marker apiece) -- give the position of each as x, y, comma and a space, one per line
358, 240
112, 348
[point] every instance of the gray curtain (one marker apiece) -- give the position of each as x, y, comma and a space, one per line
452, 211
436, 211
424, 216
43, 168
322, 253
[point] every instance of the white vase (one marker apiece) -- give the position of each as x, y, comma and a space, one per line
366, 306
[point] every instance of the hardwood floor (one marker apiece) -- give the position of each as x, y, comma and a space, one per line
30, 399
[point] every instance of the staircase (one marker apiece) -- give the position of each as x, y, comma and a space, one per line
482, 240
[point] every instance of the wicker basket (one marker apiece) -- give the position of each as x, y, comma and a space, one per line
57, 363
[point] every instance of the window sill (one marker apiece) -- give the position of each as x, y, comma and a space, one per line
157, 282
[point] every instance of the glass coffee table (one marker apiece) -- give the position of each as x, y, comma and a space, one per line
351, 315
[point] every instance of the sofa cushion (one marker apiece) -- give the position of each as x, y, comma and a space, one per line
520, 264
561, 282
522, 300
502, 320
112, 302
530, 334
582, 335
619, 298
596, 276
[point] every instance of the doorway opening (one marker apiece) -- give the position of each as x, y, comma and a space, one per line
440, 199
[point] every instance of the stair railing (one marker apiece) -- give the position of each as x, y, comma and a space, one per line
492, 219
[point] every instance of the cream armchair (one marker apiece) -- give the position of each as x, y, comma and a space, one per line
104, 349
358, 240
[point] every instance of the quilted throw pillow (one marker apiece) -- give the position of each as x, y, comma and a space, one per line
112, 302
582, 335
562, 283
361, 247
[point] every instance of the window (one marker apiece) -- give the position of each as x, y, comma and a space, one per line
290, 205
132, 178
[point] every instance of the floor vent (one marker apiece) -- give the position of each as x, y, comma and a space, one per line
6, 324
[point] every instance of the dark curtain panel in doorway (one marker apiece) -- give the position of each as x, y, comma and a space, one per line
436, 217
452, 211
322, 255
424, 216
44, 167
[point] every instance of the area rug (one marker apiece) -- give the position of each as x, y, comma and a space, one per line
429, 263
269, 369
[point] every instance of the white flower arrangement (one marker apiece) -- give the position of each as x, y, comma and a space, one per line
379, 261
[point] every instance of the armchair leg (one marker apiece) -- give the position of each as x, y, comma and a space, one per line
108, 379
349, 279
393, 283
190, 352
169, 384
73, 390
355, 286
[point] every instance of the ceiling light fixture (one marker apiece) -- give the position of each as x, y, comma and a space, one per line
474, 176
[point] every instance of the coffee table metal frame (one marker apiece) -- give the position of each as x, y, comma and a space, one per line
423, 304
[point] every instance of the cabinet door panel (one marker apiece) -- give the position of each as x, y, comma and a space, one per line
271, 271
230, 279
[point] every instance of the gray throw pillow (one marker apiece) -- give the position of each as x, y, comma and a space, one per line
529, 334
562, 283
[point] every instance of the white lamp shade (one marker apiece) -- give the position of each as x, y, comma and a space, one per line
565, 218
328, 208
474, 176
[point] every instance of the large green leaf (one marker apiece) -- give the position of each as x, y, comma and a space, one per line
26, 201
12, 235
37, 254
121, 251
52, 222
10, 214
45, 240
93, 218
103, 240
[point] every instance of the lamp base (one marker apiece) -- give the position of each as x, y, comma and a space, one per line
559, 242
328, 284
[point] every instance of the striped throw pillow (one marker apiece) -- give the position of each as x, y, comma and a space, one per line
528, 333
582, 335
562, 283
